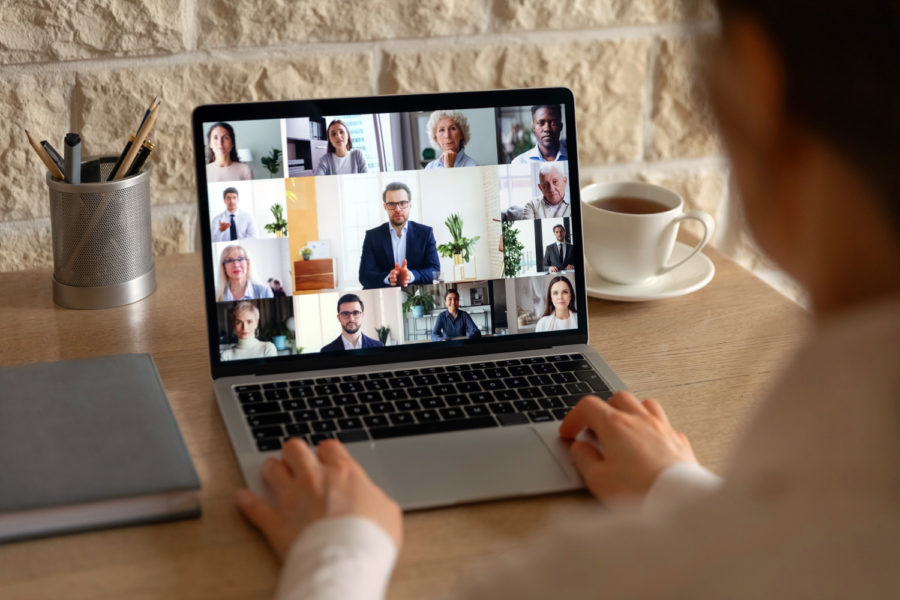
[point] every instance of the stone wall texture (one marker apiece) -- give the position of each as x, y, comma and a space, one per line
93, 67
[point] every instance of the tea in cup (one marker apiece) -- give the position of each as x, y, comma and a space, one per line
630, 229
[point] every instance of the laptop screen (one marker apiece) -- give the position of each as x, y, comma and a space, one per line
356, 231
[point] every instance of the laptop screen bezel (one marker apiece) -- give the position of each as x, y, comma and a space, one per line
372, 105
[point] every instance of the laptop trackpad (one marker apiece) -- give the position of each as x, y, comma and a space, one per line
466, 466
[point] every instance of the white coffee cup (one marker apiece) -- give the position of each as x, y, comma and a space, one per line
626, 245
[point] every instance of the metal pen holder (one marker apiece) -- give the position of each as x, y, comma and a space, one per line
102, 242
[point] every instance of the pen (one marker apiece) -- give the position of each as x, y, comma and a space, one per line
141, 158
73, 157
139, 139
42, 154
121, 158
53, 154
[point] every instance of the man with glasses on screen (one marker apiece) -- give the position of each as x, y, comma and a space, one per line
350, 314
399, 252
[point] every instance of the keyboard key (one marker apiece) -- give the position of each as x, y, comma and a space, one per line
540, 416
477, 410
276, 394
327, 389
449, 377
512, 419
258, 408
294, 429
452, 413
550, 403
331, 413
501, 408
323, 426
457, 400
425, 380
375, 421
533, 360
520, 371
299, 382
290, 405
481, 397
576, 357
468, 386
531, 392
574, 365
433, 427
245, 397
496, 373
327, 380
572, 400
344, 399
320, 402
302, 392
355, 377
567, 377
395, 394
483, 365
473, 375
455, 368
592, 379
268, 419
250, 387
540, 379
268, 444
579, 387
302, 416
525, 405
274, 385
515, 382
426, 416
399, 419
509, 363
267, 432
406, 372
382, 407
351, 386
369, 397
407, 405
492, 384
400, 382
427, 370
350, 423
348, 437
554, 390
506, 395
433, 403
444, 389
317, 438
382, 375
357, 410
419, 392
376, 384
544, 368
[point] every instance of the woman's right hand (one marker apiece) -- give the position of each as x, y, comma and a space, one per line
449, 158
637, 442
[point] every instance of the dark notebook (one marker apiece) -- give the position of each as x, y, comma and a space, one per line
91, 443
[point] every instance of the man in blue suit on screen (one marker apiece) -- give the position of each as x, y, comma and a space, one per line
350, 314
400, 252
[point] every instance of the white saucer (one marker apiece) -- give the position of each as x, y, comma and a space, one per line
689, 277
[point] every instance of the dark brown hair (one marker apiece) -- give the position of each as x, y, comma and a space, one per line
210, 155
842, 76
331, 147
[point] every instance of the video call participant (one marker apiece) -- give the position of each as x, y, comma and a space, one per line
342, 158
222, 162
546, 123
559, 256
235, 279
350, 314
233, 224
560, 312
245, 319
399, 252
449, 130
453, 323
552, 201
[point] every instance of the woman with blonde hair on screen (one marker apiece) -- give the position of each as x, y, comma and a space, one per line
245, 320
235, 281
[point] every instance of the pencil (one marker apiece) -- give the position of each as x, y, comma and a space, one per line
42, 154
138, 141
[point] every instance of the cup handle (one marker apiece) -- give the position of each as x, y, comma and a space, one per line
709, 226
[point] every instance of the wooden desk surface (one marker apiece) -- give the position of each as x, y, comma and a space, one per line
707, 357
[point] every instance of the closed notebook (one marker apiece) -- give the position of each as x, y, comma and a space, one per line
90, 443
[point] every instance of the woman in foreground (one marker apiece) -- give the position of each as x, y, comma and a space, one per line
806, 96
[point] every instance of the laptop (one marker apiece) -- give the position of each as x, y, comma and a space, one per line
385, 271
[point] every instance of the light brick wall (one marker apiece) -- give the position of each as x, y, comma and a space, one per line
92, 67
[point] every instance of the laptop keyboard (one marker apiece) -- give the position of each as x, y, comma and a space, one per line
373, 406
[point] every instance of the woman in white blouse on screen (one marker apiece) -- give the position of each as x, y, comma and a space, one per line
222, 162
560, 312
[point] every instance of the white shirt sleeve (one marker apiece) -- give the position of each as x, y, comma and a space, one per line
345, 558
676, 486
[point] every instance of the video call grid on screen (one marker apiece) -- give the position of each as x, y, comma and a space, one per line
334, 241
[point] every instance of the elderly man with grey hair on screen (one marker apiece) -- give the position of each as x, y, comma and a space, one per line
552, 202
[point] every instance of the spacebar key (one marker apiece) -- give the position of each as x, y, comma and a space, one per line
380, 433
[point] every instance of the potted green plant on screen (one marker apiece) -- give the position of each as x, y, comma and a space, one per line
418, 302
279, 227
512, 250
459, 247
384, 333
272, 162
